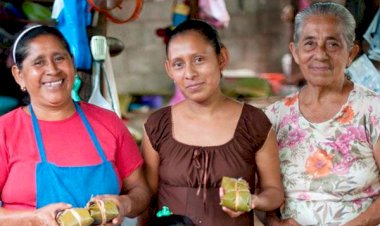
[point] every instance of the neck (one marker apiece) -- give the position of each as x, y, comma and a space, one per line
53, 113
205, 109
310, 93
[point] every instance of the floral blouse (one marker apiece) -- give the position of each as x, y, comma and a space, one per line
329, 171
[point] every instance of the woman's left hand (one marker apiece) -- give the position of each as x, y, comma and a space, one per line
120, 202
230, 212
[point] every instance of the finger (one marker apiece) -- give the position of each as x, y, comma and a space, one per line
117, 221
231, 213
221, 192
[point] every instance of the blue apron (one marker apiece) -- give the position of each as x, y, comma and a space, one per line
75, 184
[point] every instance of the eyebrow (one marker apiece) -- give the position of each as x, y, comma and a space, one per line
313, 37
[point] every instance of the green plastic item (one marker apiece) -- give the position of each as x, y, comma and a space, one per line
164, 212
246, 87
75, 90
35, 11
7, 104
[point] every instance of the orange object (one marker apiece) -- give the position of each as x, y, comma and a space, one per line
117, 6
274, 79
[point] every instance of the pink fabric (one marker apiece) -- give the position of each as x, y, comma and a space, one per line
177, 97
67, 143
303, 4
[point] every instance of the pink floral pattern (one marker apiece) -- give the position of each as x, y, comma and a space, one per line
329, 172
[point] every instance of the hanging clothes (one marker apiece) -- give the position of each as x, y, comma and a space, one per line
215, 12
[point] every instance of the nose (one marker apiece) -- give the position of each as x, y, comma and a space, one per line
190, 72
51, 67
321, 52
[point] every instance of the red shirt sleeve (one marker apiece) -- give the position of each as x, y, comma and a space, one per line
128, 157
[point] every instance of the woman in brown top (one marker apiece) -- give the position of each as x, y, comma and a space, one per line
190, 146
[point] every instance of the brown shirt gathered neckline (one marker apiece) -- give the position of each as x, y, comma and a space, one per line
190, 176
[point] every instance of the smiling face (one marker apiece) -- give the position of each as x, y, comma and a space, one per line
194, 66
322, 52
47, 72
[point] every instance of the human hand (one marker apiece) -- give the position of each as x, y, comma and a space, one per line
121, 202
45, 216
230, 212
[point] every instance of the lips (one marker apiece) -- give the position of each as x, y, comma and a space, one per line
320, 67
194, 86
53, 83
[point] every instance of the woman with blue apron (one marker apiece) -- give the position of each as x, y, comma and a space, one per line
62, 173
77, 184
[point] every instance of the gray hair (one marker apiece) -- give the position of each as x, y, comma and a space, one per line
327, 8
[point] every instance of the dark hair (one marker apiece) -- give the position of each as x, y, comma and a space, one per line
344, 17
21, 50
203, 28
172, 220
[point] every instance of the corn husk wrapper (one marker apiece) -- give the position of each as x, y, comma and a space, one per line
102, 211
237, 195
74, 217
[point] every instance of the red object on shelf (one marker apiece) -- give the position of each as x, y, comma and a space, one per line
275, 80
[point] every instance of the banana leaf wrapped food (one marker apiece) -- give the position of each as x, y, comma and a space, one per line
102, 211
237, 195
74, 217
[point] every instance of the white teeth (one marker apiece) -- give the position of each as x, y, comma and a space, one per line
56, 83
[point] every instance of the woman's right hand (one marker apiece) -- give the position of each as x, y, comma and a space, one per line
45, 216
274, 221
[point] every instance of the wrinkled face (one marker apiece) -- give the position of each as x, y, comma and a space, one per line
194, 65
47, 72
322, 52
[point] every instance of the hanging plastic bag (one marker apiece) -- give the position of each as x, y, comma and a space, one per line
215, 12
372, 36
73, 17
363, 72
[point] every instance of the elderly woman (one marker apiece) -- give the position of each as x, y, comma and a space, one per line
328, 132
57, 153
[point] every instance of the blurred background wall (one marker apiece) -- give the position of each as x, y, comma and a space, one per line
256, 38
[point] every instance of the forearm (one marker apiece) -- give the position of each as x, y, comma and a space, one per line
136, 201
268, 199
15, 218
369, 217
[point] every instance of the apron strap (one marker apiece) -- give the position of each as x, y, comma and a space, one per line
91, 132
37, 133
40, 145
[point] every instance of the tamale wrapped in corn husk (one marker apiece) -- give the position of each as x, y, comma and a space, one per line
236, 194
74, 217
102, 211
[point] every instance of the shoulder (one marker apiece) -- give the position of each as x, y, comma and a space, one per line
159, 115
157, 126
12, 116
286, 103
362, 92
92, 110
253, 111
364, 98
255, 119
102, 118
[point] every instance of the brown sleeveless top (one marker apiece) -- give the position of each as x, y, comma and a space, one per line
190, 176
